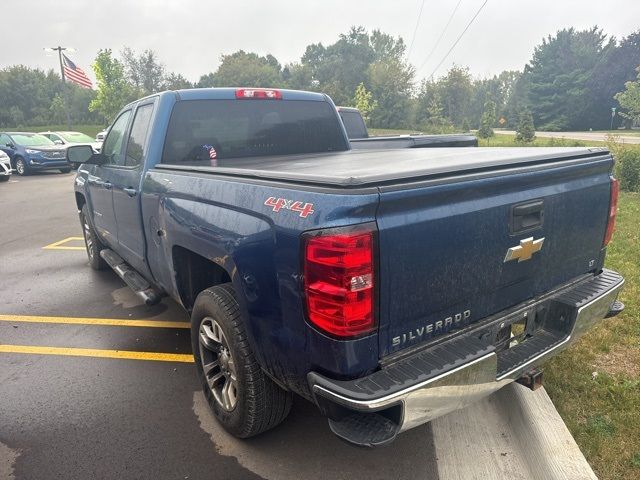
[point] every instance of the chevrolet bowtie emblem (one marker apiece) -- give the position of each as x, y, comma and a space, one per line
525, 250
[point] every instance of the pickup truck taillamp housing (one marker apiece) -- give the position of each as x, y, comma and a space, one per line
339, 276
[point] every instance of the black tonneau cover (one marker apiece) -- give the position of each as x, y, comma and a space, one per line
359, 168
414, 141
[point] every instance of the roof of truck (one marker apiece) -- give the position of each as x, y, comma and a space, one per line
359, 168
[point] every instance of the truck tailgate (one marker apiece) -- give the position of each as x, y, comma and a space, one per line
444, 244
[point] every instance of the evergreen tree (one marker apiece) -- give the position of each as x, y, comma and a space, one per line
525, 132
488, 120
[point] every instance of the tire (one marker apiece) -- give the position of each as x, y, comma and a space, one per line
254, 403
21, 167
4, 178
65, 170
91, 241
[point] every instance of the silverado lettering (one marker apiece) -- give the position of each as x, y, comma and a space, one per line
447, 324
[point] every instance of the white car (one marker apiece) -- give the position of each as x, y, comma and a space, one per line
5, 167
73, 138
100, 136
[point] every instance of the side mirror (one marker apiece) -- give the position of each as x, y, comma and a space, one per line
11, 146
78, 154
58, 142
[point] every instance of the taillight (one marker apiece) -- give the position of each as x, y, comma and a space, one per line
339, 276
258, 94
613, 211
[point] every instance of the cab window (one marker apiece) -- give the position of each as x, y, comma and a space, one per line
137, 138
112, 148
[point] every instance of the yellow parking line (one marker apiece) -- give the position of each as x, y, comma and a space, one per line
59, 244
89, 352
114, 322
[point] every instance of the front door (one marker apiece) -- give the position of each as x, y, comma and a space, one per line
100, 184
125, 181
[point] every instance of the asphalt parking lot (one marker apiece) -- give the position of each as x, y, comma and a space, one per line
93, 384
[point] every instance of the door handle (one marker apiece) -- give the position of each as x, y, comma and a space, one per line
96, 183
132, 192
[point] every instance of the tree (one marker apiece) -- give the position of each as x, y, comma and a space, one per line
456, 91
114, 91
629, 100
609, 76
488, 120
175, 81
559, 75
364, 102
525, 132
298, 77
339, 68
390, 82
143, 71
242, 69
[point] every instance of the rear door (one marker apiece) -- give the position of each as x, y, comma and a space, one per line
100, 184
125, 180
444, 248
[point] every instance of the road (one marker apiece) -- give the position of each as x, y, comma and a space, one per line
71, 407
587, 136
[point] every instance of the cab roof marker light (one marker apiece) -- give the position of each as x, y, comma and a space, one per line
258, 94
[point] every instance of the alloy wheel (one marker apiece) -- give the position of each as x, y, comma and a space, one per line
218, 364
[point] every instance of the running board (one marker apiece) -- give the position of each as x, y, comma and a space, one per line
136, 282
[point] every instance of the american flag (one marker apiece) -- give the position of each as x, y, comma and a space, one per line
74, 73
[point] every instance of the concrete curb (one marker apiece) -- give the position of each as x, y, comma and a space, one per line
512, 434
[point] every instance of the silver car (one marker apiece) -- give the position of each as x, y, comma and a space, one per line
5, 167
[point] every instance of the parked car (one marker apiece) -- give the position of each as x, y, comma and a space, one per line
386, 287
5, 167
101, 134
30, 152
359, 137
72, 138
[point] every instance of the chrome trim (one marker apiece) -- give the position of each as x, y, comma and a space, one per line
472, 381
586, 317
395, 397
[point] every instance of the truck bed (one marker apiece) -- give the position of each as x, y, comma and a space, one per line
361, 168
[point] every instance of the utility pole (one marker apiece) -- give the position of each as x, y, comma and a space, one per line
60, 49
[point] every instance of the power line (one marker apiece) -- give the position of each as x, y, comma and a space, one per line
440, 37
415, 30
459, 38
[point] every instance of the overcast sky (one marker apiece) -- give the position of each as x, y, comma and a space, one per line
190, 35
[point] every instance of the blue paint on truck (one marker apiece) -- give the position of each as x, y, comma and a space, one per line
283, 211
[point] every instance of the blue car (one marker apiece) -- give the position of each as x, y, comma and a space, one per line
30, 152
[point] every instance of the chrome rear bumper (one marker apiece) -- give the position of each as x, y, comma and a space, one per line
458, 387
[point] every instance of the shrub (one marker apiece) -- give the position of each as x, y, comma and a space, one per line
628, 168
525, 131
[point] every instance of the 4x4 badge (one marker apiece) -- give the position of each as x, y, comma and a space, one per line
525, 250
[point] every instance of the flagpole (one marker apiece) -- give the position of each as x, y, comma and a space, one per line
65, 90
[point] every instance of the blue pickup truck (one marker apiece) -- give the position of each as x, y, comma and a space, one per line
388, 287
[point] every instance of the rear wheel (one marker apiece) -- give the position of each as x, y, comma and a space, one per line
242, 397
91, 241
65, 170
4, 178
21, 167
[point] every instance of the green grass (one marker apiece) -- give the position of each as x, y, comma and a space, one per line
595, 385
90, 130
